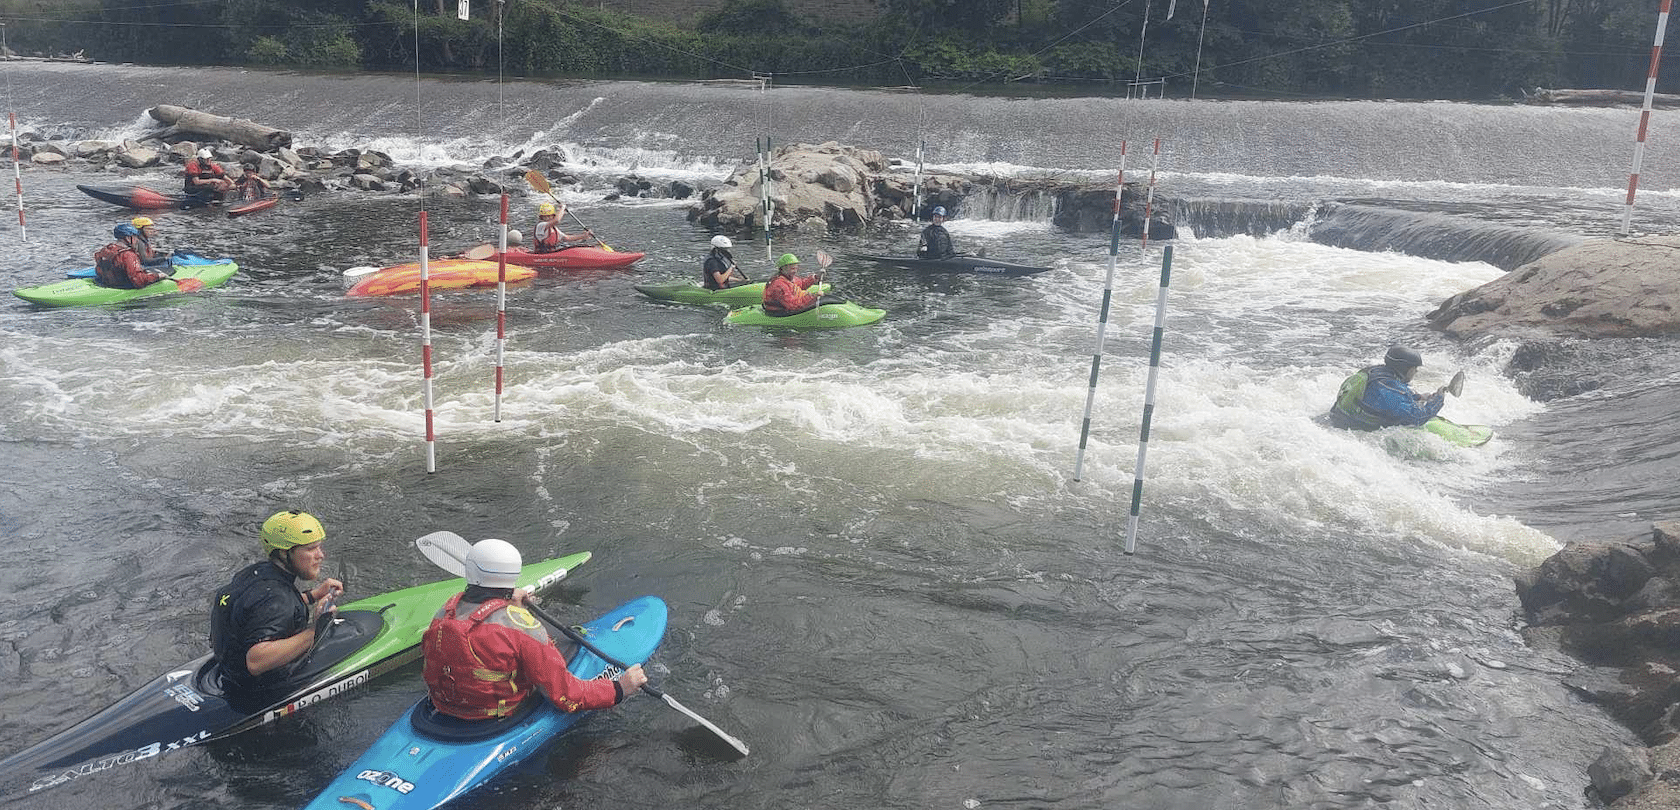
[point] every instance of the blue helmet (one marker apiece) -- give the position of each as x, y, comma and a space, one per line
939, 210
125, 230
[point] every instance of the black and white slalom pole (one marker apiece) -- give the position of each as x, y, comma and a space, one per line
1102, 317
1154, 357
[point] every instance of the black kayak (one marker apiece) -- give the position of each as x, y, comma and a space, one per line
141, 198
956, 264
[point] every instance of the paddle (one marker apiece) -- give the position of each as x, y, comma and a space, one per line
448, 550
480, 253
1456, 387
540, 183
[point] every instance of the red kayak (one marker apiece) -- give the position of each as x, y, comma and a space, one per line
141, 198
573, 258
253, 206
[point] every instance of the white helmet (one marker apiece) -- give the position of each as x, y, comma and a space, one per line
493, 563
721, 241
205, 153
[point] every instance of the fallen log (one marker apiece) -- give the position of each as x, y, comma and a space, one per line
1599, 98
236, 130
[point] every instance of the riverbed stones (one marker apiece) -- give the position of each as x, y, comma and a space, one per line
135, 156
1601, 288
1618, 771
47, 159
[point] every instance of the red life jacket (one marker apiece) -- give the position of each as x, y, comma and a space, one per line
462, 683
110, 269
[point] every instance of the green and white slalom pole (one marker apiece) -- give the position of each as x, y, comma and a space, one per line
1149, 392
1102, 318
1154, 355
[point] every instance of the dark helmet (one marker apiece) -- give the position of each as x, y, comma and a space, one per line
125, 230
1400, 357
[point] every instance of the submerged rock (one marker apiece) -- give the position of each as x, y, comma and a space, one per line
1603, 288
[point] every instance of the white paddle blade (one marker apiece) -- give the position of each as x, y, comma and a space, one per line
824, 260
480, 253
710, 726
446, 550
358, 272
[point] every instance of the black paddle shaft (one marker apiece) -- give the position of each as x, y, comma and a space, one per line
583, 642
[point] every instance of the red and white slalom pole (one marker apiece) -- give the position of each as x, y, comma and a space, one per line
501, 308
1645, 113
17, 172
426, 344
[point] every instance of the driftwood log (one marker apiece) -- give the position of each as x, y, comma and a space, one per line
236, 130
1599, 98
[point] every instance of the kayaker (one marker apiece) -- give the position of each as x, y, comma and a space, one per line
548, 236
250, 184
785, 294
1382, 396
936, 241
205, 177
260, 623
486, 654
720, 271
118, 264
148, 254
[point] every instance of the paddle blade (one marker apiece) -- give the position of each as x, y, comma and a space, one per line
710, 726
1456, 387
538, 181
824, 260
358, 272
189, 284
446, 550
480, 253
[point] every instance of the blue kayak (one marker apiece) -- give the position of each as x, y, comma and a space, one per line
179, 259
418, 764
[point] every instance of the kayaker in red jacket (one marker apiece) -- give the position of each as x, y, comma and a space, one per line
119, 263
785, 294
485, 653
548, 235
203, 176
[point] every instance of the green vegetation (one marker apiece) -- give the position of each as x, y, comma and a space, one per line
1358, 48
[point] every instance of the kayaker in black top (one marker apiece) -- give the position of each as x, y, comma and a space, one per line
250, 184
936, 241
720, 271
260, 624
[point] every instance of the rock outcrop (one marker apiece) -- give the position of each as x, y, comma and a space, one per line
818, 187
1616, 606
1603, 288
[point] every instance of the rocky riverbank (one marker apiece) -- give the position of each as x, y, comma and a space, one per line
1615, 605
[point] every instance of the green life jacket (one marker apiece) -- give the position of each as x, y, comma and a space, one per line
1350, 403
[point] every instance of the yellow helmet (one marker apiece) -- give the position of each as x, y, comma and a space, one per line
284, 531
546, 210
140, 222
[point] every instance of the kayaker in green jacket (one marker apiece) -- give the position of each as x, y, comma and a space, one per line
260, 624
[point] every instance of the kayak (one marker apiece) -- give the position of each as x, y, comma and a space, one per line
826, 316
573, 258
186, 706
690, 292
421, 763
76, 292
956, 264
444, 274
179, 260
1461, 435
253, 206
141, 198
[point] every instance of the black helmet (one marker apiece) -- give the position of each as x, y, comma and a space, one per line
1400, 357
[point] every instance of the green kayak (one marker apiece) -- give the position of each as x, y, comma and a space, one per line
1461, 435
827, 316
77, 292
187, 705
688, 292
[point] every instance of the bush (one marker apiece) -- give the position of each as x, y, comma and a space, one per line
268, 51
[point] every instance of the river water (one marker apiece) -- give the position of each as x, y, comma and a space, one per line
882, 574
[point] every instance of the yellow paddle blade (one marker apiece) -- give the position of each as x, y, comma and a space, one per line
538, 182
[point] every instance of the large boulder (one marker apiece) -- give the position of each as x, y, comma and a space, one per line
1602, 288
